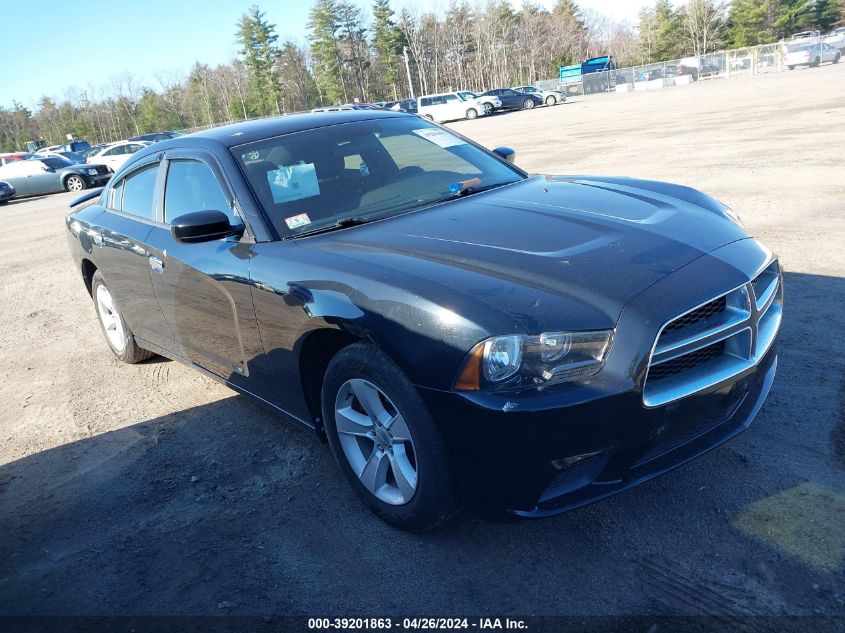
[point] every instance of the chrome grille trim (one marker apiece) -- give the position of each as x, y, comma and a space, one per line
748, 325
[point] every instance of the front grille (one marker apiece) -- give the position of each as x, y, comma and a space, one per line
709, 309
716, 340
687, 361
102, 169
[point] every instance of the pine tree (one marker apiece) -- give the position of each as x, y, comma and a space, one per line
324, 23
387, 44
752, 22
661, 32
352, 39
258, 40
826, 14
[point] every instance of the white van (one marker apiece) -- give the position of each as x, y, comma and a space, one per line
448, 106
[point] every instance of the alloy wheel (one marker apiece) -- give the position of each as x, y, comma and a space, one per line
74, 183
376, 441
110, 318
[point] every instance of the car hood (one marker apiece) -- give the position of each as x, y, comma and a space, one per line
548, 251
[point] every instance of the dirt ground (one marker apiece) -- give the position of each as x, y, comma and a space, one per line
151, 490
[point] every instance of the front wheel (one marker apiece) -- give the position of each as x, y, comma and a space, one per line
836, 59
816, 63
75, 183
550, 100
528, 104
385, 441
118, 335
471, 113
488, 109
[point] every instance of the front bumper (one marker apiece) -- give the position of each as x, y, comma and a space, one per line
100, 179
537, 454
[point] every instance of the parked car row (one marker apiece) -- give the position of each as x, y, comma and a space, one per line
465, 104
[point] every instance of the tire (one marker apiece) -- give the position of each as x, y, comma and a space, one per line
418, 503
75, 183
528, 104
488, 109
551, 100
119, 337
836, 59
791, 67
471, 113
816, 63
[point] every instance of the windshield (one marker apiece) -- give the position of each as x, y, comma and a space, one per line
366, 169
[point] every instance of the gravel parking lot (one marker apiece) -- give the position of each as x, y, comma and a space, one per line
152, 490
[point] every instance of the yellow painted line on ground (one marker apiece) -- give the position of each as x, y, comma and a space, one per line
807, 522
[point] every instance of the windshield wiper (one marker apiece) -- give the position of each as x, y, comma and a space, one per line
468, 191
340, 224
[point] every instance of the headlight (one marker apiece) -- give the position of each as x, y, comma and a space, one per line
92, 172
521, 361
502, 357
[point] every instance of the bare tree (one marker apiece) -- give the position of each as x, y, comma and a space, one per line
703, 22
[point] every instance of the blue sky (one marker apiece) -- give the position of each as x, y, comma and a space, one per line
88, 43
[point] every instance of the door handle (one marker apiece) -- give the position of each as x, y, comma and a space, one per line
156, 264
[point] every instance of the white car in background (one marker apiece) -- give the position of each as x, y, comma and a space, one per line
116, 154
490, 104
810, 54
449, 106
549, 97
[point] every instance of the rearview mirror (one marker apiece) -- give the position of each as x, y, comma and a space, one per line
505, 152
203, 226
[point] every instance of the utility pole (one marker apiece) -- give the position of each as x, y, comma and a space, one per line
408, 70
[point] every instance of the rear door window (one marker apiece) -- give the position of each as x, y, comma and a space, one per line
138, 192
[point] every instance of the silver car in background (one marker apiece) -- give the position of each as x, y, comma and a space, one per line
549, 97
803, 54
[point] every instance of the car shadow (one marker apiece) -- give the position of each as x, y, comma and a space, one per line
15, 201
226, 508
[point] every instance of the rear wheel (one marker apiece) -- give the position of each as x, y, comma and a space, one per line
836, 59
117, 332
816, 63
528, 104
550, 100
385, 441
472, 113
75, 183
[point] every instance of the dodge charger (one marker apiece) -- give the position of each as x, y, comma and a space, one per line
457, 329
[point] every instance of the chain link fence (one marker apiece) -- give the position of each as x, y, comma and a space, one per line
808, 49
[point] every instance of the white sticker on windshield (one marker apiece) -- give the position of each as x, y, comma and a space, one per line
295, 221
293, 182
439, 137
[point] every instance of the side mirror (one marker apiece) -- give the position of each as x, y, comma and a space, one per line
505, 152
203, 226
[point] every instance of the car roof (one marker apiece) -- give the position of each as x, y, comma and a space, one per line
256, 130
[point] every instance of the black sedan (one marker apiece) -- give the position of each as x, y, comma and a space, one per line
52, 174
457, 329
514, 100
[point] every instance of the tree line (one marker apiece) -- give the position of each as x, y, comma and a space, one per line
377, 55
